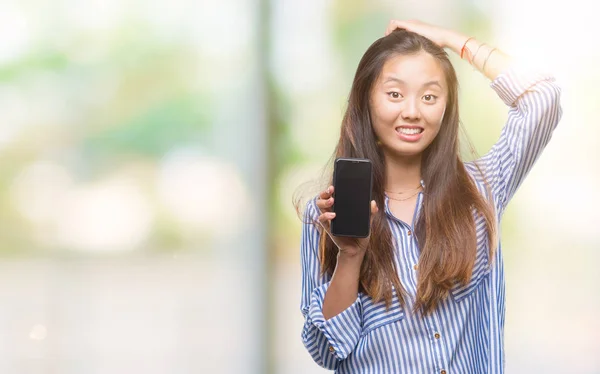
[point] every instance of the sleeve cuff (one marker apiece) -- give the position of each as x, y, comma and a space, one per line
343, 330
515, 81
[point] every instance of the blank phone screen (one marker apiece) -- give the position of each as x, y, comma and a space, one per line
352, 197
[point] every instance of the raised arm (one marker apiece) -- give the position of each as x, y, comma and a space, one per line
533, 101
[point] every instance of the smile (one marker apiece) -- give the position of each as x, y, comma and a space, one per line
409, 133
409, 130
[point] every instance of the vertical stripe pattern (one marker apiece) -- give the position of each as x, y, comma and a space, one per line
465, 334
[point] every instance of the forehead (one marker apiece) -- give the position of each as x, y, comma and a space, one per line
414, 69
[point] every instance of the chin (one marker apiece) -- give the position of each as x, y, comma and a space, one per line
410, 151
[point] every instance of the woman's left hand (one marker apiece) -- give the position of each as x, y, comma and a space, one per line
438, 35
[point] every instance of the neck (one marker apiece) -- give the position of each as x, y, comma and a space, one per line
402, 173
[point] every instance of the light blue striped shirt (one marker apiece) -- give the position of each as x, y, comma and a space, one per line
465, 334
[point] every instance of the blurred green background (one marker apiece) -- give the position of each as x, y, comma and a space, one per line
149, 151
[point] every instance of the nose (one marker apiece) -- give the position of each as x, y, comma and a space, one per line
410, 110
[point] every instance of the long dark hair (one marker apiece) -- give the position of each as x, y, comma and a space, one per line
445, 229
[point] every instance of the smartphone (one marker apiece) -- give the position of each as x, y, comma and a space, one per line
352, 182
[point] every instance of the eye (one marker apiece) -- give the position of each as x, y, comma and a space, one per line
394, 95
429, 98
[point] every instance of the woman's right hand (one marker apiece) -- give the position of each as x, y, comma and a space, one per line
348, 247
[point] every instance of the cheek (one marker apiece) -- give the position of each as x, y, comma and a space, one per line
384, 113
435, 116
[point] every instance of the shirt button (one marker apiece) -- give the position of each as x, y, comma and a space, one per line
331, 349
443, 372
409, 233
415, 266
437, 335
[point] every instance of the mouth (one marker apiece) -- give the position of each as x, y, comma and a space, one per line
409, 130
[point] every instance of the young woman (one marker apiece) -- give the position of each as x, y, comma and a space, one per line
425, 292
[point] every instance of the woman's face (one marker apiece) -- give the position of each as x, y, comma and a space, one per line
407, 103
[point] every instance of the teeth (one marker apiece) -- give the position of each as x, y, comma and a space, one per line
403, 130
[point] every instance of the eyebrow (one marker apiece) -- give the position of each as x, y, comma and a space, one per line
400, 81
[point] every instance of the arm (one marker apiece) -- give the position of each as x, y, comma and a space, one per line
533, 100
343, 288
534, 111
328, 340
494, 59
533, 114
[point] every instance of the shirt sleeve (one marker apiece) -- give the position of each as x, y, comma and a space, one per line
327, 341
534, 112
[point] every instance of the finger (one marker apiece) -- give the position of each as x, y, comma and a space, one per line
390, 27
374, 208
325, 204
325, 220
393, 25
326, 217
327, 193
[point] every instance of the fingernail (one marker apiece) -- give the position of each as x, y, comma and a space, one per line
329, 189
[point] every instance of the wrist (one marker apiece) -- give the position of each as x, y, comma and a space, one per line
350, 257
347, 269
455, 41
